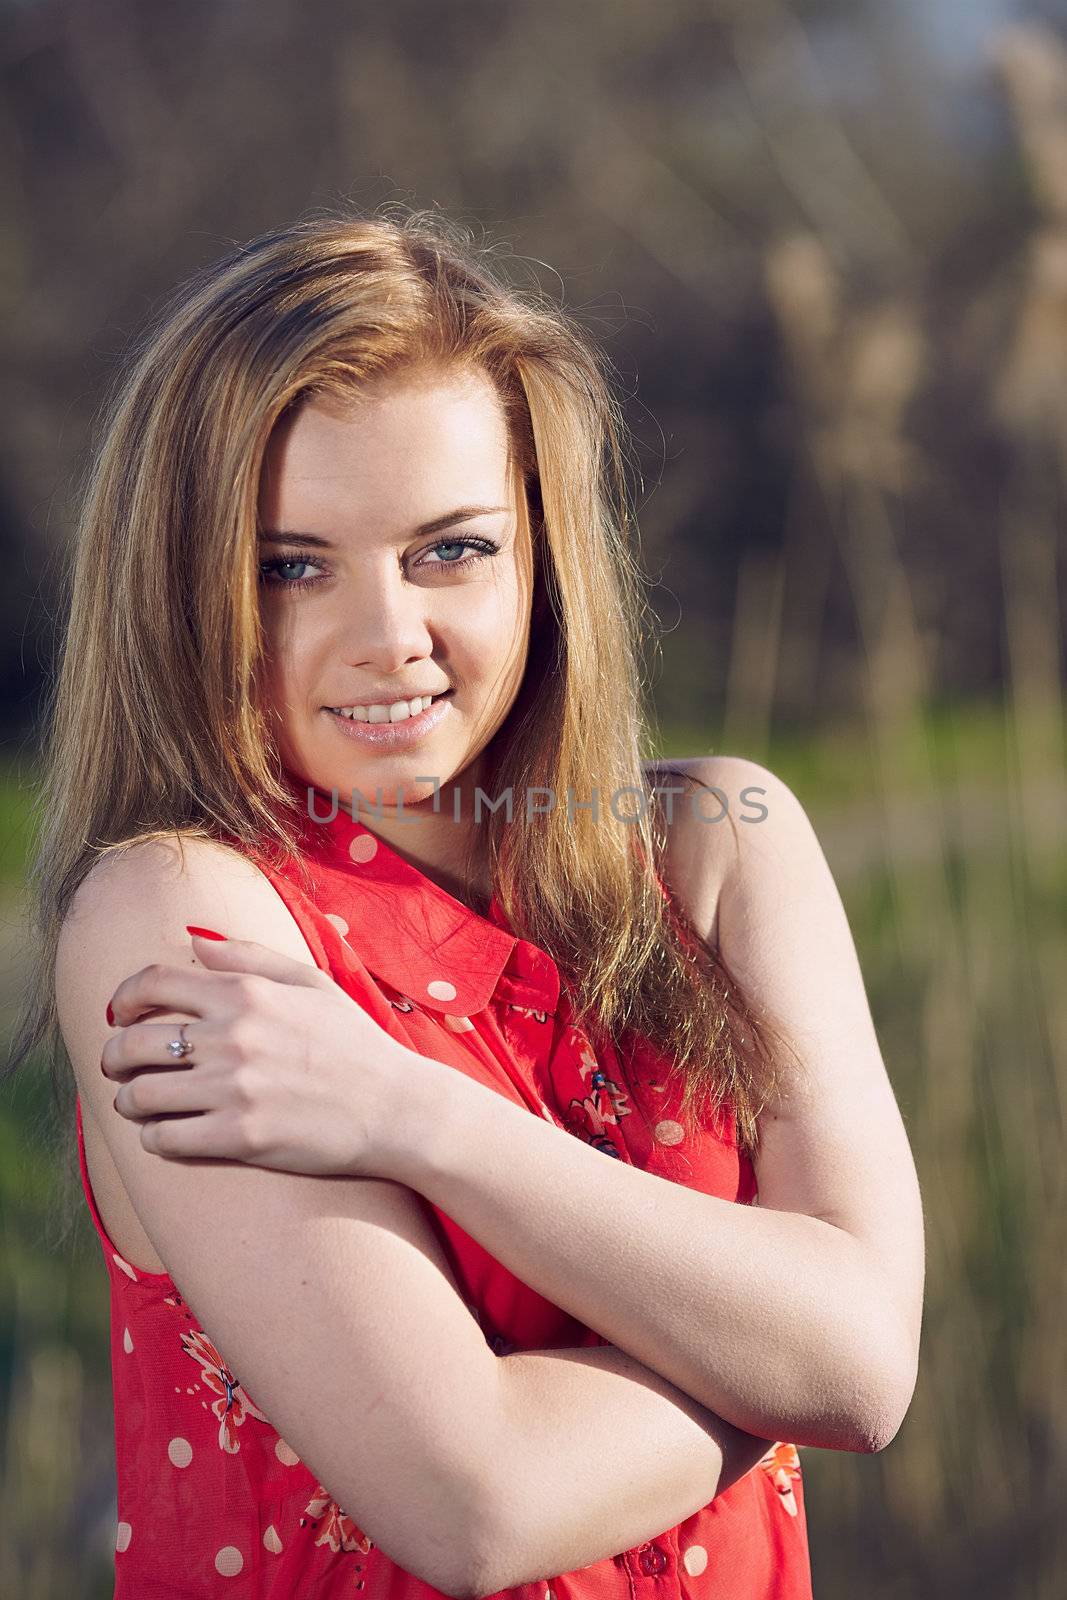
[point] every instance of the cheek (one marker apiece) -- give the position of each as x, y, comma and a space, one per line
495, 637
288, 652
497, 623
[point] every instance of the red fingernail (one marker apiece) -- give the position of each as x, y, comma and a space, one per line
205, 933
110, 1016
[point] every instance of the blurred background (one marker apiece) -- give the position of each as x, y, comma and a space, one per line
825, 245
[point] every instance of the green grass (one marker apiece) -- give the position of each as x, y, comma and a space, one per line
952, 742
18, 777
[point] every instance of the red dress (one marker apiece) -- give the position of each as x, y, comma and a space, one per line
211, 1501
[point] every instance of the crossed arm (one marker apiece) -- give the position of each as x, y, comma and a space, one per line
602, 1448
797, 1319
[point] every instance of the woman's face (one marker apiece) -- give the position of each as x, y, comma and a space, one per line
393, 564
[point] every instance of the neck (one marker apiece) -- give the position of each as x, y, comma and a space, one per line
450, 852
445, 843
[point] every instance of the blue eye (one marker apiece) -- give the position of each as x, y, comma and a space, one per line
484, 547
271, 572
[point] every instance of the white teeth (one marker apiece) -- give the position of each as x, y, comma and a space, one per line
399, 711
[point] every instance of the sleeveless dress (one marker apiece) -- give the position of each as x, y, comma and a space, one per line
211, 1501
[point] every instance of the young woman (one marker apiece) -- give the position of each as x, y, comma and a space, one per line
373, 935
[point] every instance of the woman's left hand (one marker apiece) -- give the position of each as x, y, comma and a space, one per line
287, 1071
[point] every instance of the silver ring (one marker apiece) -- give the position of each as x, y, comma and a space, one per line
180, 1046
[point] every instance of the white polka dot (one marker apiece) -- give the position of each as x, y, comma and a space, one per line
286, 1454
363, 848
123, 1535
229, 1561
441, 989
127, 1342
668, 1132
695, 1560
339, 923
272, 1542
180, 1452
459, 1024
125, 1265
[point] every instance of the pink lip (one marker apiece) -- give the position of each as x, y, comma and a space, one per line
392, 735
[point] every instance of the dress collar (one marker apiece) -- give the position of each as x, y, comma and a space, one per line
421, 940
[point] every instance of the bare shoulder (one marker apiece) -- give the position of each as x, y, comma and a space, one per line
710, 805
168, 875
325, 1266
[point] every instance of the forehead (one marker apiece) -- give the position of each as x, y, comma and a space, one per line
405, 448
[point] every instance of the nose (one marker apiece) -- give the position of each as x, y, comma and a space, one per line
385, 623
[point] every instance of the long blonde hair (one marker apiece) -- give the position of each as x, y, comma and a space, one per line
154, 724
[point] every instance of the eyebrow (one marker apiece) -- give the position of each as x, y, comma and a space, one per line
314, 541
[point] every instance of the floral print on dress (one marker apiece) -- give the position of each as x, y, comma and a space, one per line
582, 1119
782, 1466
589, 1116
338, 1529
233, 1405
529, 1011
610, 1099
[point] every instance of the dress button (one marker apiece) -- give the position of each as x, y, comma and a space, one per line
652, 1559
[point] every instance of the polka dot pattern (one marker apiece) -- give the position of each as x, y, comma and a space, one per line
695, 1560
205, 1480
229, 1561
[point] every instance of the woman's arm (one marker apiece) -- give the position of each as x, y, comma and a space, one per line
797, 1319
596, 1454
458, 1463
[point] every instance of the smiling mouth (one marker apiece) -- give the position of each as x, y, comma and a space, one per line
382, 715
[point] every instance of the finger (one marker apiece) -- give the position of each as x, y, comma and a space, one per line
163, 987
206, 1137
144, 1044
248, 955
155, 1094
